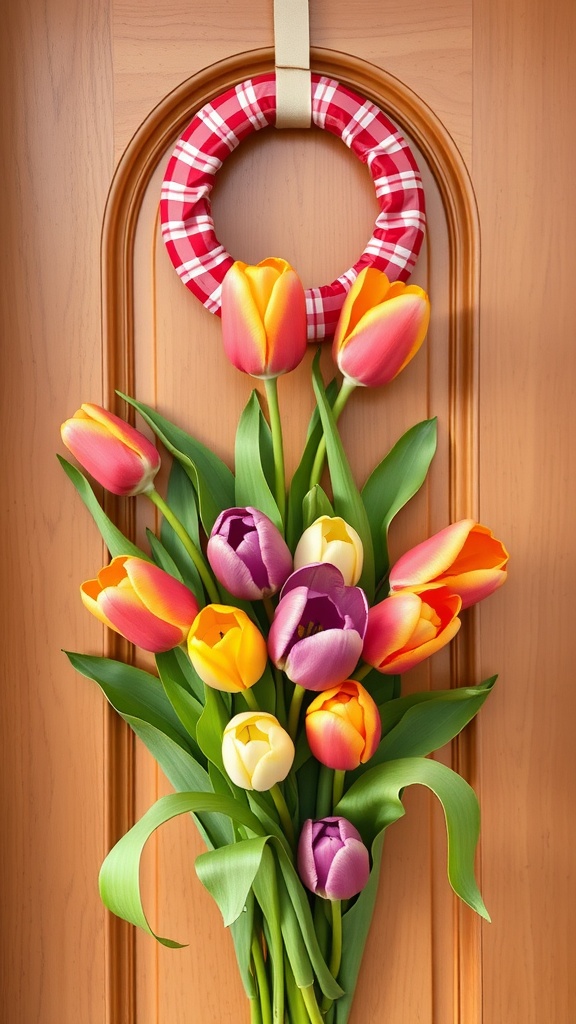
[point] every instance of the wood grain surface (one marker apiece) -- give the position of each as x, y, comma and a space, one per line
78, 80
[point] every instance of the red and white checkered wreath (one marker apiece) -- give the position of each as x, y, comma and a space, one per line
221, 125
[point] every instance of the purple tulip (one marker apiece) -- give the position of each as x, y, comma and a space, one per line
332, 859
318, 629
248, 554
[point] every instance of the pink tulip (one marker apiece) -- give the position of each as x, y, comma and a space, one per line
465, 557
117, 455
381, 327
264, 318
409, 626
332, 859
143, 603
316, 636
343, 726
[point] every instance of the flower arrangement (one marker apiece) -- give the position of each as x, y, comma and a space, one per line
280, 633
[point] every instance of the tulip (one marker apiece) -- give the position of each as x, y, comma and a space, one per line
226, 648
263, 318
117, 455
257, 752
248, 554
331, 539
465, 557
332, 859
142, 602
343, 726
409, 626
381, 327
318, 628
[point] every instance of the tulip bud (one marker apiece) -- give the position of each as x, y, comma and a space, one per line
257, 752
117, 455
331, 539
248, 554
264, 318
318, 628
409, 626
465, 557
143, 603
332, 859
343, 726
381, 327
226, 648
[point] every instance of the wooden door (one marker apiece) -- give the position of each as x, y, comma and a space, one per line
486, 92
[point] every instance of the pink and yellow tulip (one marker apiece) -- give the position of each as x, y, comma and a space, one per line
381, 327
409, 626
257, 752
465, 557
226, 648
263, 317
143, 603
117, 455
343, 726
331, 539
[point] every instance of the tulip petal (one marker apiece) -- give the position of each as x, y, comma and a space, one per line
385, 340
349, 871
369, 289
428, 560
141, 627
126, 433
403, 661
285, 325
106, 458
390, 626
333, 741
243, 334
323, 659
163, 595
476, 586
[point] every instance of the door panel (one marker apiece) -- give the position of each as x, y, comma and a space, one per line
78, 81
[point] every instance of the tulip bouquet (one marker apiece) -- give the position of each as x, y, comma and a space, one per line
280, 633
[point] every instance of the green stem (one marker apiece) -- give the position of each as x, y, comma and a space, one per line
361, 672
271, 385
324, 792
250, 700
255, 1011
341, 399
337, 787
309, 998
277, 956
283, 814
188, 543
336, 954
262, 981
294, 714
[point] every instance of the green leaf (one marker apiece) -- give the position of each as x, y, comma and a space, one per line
228, 874
315, 504
186, 706
373, 802
132, 692
120, 872
212, 480
162, 557
347, 500
181, 498
241, 930
394, 481
251, 484
416, 725
113, 538
301, 478
211, 726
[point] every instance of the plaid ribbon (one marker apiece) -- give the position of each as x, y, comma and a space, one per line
221, 125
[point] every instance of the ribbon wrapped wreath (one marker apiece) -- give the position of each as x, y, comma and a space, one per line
202, 262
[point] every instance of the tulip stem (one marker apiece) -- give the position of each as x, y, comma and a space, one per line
337, 787
324, 792
341, 399
309, 997
271, 385
294, 713
188, 543
250, 700
283, 813
262, 981
361, 672
336, 954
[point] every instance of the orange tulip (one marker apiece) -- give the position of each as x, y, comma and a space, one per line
141, 602
465, 557
381, 327
343, 726
409, 626
263, 317
117, 455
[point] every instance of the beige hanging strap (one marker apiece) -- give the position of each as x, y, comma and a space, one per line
292, 64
